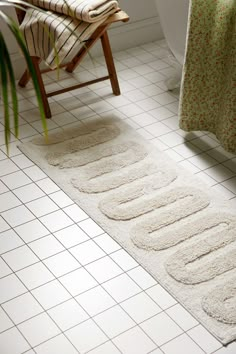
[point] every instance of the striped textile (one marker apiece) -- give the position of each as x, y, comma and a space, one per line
55, 36
85, 10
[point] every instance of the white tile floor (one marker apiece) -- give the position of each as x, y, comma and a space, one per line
65, 286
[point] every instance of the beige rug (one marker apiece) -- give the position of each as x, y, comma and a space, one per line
161, 214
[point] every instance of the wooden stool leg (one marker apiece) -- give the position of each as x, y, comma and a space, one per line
36, 61
85, 48
110, 63
25, 78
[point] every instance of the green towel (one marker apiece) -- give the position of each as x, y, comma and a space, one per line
208, 90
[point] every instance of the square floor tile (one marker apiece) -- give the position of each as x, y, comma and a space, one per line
204, 339
185, 164
95, 300
164, 98
230, 349
140, 307
219, 173
68, 314
182, 345
38, 329
35, 173
160, 114
9, 240
90, 227
172, 139
7, 201
51, 294
13, 149
182, 317
86, 336
22, 161
78, 281
87, 252
187, 149
134, 341
18, 216
7, 166
56, 221
161, 296
3, 225
61, 199
156, 351
230, 184
114, 321
20, 258
28, 193
5, 322
35, 275
106, 348
4, 269
104, 269
151, 90
16, 179
144, 119
147, 104
3, 188
31, 230
48, 186
124, 260
203, 161
121, 287
10, 287
107, 243
71, 236
10, 346
22, 308
75, 213
161, 328
42, 206
157, 129
222, 191
46, 246
56, 345
130, 110
62, 263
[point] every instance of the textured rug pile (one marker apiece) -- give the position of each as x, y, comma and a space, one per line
171, 223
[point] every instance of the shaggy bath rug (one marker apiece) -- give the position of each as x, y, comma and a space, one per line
162, 215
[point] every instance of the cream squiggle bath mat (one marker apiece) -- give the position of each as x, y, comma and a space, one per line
163, 216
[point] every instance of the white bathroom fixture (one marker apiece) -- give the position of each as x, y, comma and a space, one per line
174, 18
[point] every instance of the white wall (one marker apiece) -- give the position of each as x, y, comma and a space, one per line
143, 27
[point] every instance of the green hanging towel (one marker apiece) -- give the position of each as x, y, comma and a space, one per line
208, 90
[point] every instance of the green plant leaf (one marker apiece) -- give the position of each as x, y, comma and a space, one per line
4, 87
20, 40
12, 84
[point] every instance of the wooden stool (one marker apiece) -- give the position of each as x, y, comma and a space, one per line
99, 33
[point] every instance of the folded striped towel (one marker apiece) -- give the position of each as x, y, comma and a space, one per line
85, 10
53, 37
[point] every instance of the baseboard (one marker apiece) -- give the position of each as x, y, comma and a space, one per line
131, 34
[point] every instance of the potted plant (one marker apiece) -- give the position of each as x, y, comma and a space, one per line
7, 78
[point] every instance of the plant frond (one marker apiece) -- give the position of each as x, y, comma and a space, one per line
12, 84
4, 88
20, 40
